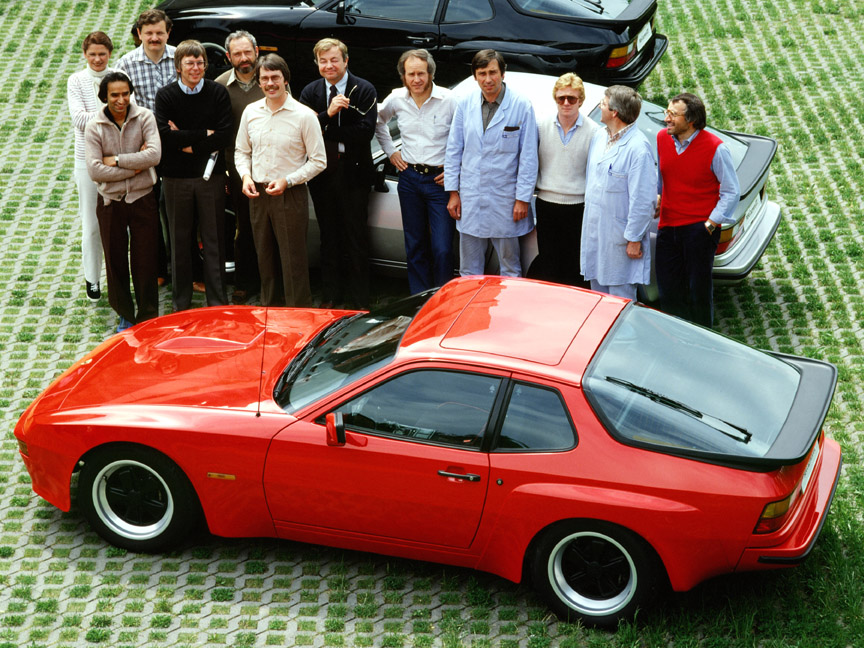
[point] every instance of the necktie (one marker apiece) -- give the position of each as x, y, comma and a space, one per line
332, 94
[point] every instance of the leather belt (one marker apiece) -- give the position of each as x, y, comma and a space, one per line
427, 169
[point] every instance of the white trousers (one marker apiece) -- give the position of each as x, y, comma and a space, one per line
472, 255
621, 290
91, 244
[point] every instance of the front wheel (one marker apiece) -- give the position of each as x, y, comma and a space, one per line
137, 498
593, 571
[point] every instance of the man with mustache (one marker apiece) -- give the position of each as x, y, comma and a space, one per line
279, 148
243, 88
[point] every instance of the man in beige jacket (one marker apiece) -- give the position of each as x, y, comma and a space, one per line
122, 146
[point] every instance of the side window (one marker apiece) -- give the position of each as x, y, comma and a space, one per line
536, 419
409, 10
459, 11
444, 407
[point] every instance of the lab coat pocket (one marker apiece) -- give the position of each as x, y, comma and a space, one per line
510, 141
616, 182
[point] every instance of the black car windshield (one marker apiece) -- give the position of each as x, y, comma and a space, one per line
347, 350
660, 381
581, 8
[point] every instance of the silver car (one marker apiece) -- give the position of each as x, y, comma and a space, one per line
741, 244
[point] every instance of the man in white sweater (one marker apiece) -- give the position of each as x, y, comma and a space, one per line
563, 154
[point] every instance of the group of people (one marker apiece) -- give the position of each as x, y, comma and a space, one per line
155, 130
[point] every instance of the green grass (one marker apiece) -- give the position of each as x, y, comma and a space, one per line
789, 69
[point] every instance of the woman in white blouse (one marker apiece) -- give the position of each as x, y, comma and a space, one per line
81, 92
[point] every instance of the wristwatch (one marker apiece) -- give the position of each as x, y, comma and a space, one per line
117, 161
710, 226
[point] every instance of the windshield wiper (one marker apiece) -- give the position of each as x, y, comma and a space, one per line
304, 354
731, 430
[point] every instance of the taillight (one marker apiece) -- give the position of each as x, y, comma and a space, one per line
775, 514
622, 55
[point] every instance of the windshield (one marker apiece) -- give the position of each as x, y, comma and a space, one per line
661, 381
578, 8
347, 350
650, 122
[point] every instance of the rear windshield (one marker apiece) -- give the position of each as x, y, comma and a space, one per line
579, 8
660, 381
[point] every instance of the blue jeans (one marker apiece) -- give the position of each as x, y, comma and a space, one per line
684, 265
428, 230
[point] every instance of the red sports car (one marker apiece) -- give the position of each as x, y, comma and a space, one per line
598, 447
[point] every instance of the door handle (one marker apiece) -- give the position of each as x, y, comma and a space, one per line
421, 40
466, 477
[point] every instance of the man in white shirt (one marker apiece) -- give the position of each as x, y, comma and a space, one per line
424, 112
279, 148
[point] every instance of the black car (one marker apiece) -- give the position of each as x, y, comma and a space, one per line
604, 41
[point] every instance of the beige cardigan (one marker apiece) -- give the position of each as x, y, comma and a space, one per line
103, 138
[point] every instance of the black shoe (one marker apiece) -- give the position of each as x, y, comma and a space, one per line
93, 292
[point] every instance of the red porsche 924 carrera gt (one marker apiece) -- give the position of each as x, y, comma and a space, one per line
597, 446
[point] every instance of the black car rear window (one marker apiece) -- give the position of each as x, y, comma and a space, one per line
576, 8
660, 381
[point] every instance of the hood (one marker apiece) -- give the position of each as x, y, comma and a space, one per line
211, 357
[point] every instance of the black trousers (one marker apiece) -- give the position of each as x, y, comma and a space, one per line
341, 208
684, 265
245, 257
186, 199
130, 237
559, 241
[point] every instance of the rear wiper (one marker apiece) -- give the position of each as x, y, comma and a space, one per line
731, 430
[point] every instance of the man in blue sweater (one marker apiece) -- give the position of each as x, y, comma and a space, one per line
195, 123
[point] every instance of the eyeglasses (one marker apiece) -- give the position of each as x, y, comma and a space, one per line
568, 99
672, 114
194, 64
360, 110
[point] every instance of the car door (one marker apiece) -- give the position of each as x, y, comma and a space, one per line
411, 468
376, 33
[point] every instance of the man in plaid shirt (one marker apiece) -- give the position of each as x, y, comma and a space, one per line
151, 65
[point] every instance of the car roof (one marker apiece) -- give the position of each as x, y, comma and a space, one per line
512, 324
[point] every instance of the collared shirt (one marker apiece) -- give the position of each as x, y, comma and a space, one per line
424, 129
612, 138
148, 76
233, 79
489, 108
724, 170
285, 143
566, 137
341, 85
190, 91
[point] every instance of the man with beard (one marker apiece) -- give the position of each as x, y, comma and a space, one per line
194, 119
279, 148
424, 112
243, 89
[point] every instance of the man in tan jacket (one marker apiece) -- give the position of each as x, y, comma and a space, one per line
122, 146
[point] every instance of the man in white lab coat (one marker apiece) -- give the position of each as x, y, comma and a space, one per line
490, 169
620, 193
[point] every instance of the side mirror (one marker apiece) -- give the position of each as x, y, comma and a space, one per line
340, 13
335, 429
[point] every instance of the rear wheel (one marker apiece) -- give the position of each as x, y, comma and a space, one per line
593, 571
137, 498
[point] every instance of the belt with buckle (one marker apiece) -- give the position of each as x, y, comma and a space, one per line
427, 169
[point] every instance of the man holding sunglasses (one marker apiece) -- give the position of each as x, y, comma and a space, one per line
195, 124
347, 110
563, 155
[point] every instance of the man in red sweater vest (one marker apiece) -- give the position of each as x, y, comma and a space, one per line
699, 192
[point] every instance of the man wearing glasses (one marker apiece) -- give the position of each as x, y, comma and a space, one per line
346, 106
563, 154
698, 193
195, 125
